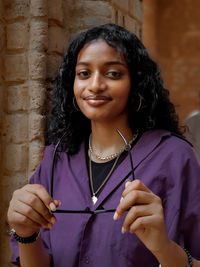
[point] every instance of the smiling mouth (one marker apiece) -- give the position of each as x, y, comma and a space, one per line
99, 97
97, 100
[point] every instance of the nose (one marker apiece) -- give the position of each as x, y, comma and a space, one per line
97, 83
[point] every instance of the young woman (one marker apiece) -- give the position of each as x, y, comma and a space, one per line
108, 212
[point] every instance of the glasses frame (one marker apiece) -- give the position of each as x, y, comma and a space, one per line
87, 209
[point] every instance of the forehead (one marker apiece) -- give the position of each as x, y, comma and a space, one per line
99, 50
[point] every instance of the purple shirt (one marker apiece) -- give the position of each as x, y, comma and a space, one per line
164, 163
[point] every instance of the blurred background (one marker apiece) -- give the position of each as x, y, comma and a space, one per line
33, 37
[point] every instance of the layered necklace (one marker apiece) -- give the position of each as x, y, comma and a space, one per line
103, 158
111, 156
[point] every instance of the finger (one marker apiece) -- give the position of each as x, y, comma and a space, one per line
134, 213
25, 221
135, 185
127, 183
134, 197
144, 223
34, 202
31, 214
42, 193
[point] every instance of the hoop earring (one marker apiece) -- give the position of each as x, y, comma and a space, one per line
75, 104
140, 104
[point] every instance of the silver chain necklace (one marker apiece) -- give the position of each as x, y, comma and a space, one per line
111, 156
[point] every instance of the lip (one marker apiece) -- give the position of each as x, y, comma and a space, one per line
97, 100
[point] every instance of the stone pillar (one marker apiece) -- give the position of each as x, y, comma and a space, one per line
37, 50
57, 36
128, 14
23, 99
85, 14
2, 46
15, 114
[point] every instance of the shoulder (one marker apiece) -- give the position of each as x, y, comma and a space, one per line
167, 147
178, 155
49, 150
177, 145
58, 156
43, 170
168, 140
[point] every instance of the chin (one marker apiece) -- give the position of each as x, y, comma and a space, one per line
95, 117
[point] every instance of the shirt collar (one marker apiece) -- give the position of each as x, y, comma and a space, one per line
147, 143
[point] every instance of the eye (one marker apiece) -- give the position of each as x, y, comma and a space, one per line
114, 74
83, 74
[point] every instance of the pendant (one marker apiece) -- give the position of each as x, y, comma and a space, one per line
94, 199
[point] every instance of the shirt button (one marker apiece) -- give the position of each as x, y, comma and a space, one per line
87, 260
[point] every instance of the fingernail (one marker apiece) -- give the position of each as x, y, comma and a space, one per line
57, 203
115, 217
123, 230
121, 199
52, 206
127, 184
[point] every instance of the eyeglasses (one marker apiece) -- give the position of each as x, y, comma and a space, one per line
88, 210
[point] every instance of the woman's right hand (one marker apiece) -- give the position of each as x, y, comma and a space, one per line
29, 210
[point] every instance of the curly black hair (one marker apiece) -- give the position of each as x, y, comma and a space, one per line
156, 110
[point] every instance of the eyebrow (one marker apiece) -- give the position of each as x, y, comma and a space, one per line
107, 63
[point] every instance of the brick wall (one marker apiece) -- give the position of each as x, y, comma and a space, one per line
33, 37
24, 74
129, 14
85, 14
2, 43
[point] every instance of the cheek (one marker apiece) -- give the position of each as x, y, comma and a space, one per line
77, 88
124, 97
124, 92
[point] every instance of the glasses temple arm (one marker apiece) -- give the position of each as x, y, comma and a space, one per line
128, 148
53, 162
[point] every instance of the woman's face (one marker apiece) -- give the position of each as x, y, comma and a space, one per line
102, 82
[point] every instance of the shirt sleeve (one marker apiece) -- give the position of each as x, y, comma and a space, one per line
189, 221
185, 201
41, 176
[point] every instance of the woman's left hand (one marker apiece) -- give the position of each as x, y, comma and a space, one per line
145, 217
